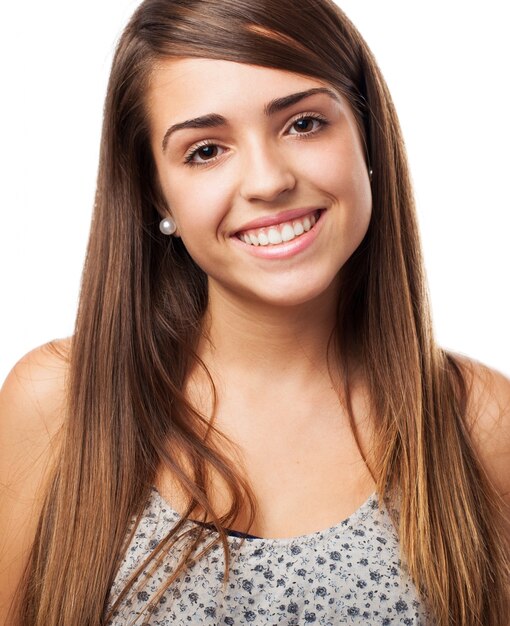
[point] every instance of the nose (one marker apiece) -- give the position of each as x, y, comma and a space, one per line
265, 173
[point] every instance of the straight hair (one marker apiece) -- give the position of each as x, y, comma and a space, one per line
140, 317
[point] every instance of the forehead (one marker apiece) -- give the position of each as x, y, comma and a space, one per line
191, 87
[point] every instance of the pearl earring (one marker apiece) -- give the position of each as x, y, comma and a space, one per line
370, 172
167, 226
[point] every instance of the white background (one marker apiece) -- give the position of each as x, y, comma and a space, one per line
446, 64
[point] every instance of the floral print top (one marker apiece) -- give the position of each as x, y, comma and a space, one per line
347, 574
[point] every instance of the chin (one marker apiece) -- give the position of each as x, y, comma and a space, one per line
290, 296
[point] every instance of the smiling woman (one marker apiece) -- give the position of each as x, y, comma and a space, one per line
253, 365
287, 148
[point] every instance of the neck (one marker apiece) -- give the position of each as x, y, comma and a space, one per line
266, 342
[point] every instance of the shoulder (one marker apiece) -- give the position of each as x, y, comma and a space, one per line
35, 389
32, 412
32, 405
488, 420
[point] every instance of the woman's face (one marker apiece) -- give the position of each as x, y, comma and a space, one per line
263, 173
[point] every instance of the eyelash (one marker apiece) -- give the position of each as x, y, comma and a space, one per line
188, 158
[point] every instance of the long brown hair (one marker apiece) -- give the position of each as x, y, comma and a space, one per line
140, 317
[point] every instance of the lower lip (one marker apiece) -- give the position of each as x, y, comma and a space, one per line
285, 249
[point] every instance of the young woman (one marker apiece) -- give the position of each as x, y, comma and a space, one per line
252, 422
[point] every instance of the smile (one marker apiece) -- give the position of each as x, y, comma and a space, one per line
279, 233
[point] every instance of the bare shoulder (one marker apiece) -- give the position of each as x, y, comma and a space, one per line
488, 420
32, 412
32, 398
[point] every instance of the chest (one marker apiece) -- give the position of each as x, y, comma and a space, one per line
303, 467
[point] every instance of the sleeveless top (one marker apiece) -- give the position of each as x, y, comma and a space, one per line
347, 574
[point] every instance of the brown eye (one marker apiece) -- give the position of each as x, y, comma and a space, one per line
202, 154
305, 124
207, 152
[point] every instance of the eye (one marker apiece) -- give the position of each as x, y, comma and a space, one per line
202, 153
307, 124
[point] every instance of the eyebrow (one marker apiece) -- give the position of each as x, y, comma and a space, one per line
213, 120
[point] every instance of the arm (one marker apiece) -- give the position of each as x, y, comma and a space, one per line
31, 415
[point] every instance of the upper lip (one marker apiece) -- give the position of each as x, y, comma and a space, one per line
278, 218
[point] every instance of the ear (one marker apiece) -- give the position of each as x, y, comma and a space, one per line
160, 204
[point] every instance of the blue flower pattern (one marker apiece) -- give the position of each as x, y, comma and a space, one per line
348, 574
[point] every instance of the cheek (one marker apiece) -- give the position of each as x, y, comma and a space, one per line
339, 170
197, 208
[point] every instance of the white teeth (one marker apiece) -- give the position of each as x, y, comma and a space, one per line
263, 239
274, 236
298, 229
278, 234
287, 233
